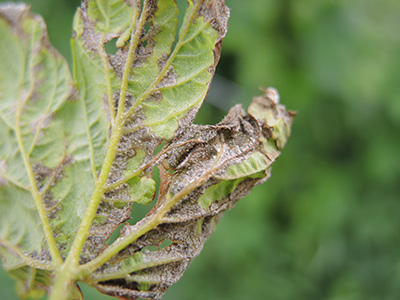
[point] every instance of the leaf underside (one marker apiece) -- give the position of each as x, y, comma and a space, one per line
90, 141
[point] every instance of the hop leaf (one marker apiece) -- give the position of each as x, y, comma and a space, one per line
78, 150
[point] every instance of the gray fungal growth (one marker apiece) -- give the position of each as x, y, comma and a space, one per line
121, 131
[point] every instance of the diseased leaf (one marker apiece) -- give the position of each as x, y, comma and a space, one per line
160, 90
215, 166
34, 84
77, 152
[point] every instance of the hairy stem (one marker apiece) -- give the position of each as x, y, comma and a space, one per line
55, 254
69, 272
63, 284
112, 149
148, 224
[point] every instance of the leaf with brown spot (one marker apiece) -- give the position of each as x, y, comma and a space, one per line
215, 166
77, 152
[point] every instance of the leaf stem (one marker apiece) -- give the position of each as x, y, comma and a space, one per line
55, 254
129, 175
126, 272
83, 232
148, 224
63, 283
69, 271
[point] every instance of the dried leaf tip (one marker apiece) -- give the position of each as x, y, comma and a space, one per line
272, 116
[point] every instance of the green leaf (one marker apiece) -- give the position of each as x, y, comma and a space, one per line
110, 16
254, 164
142, 190
17, 205
223, 189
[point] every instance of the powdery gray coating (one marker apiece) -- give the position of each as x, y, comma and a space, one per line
137, 136
199, 156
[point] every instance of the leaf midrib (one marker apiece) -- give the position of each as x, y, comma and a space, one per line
72, 260
57, 260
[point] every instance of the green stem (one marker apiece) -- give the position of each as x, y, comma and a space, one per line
148, 224
69, 271
55, 254
63, 284
90, 213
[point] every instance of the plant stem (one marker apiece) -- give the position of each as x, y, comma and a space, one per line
63, 284
84, 228
55, 254
148, 224
68, 273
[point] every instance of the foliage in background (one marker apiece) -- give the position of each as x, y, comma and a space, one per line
328, 218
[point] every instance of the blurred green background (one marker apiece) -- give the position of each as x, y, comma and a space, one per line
327, 224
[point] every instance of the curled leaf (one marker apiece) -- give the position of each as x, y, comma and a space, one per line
215, 166
77, 151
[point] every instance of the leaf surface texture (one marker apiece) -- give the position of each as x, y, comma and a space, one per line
79, 147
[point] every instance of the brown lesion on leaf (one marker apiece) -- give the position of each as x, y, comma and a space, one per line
109, 216
72, 93
199, 157
117, 62
216, 13
169, 80
88, 34
37, 125
46, 177
143, 52
161, 268
15, 14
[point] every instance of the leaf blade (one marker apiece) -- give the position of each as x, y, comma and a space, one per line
214, 167
33, 88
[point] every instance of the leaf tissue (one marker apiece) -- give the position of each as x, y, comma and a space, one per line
78, 148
